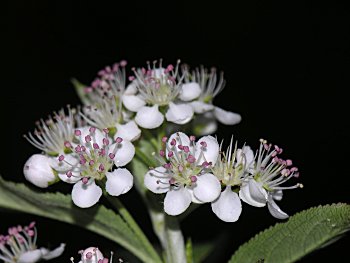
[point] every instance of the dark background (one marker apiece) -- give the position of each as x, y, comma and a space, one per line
287, 72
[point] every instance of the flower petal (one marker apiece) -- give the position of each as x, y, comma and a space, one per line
149, 117
47, 254
133, 102
244, 194
38, 171
227, 117
200, 107
228, 206
277, 195
97, 136
157, 181
194, 198
131, 89
31, 256
257, 192
190, 91
176, 201
86, 195
245, 156
129, 131
62, 168
119, 181
181, 139
125, 151
210, 152
179, 113
96, 255
274, 209
207, 188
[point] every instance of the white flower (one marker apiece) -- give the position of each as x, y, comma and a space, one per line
91, 161
185, 176
200, 88
38, 171
19, 246
264, 185
155, 90
94, 255
51, 135
231, 169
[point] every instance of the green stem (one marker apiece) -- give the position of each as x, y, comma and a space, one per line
117, 204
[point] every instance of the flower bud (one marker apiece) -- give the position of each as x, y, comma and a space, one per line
38, 171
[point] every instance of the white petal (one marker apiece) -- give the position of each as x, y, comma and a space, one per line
133, 102
129, 131
38, 171
211, 151
245, 156
277, 195
96, 255
181, 139
86, 195
190, 91
177, 201
63, 167
179, 113
200, 107
228, 206
244, 194
207, 188
124, 154
275, 210
194, 198
119, 181
47, 254
96, 137
227, 117
131, 89
156, 181
257, 192
30, 256
149, 117
204, 124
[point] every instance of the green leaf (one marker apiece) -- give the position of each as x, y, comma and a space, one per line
301, 234
98, 219
79, 88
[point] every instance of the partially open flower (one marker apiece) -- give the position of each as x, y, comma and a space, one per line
200, 88
184, 175
264, 185
19, 246
93, 255
153, 91
51, 135
92, 160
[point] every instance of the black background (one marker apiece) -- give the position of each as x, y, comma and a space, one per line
287, 72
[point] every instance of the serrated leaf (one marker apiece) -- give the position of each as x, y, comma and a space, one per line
98, 219
301, 234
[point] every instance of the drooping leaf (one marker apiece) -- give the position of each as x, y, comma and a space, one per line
98, 219
301, 234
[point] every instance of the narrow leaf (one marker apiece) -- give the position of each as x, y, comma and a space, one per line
189, 254
98, 219
301, 234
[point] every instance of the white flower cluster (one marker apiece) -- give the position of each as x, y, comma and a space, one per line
200, 172
19, 246
88, 147
94, 255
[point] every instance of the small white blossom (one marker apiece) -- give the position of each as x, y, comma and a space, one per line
264, 184
184, 175
231, 169
19, 246
94, 255
200, 87
155, 90
93, 159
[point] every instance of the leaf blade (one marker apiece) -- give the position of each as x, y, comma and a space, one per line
301, 234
